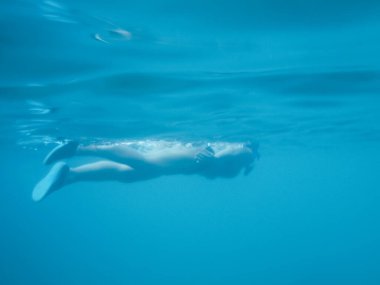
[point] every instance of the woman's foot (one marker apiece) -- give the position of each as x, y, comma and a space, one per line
51, 182
62, 151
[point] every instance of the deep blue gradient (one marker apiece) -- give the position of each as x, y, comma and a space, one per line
302, 78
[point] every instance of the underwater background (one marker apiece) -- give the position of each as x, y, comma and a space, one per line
301, 78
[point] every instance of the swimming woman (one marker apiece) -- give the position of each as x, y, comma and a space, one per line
142, 160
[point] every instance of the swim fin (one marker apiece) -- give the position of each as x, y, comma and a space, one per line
51, 182
62, 151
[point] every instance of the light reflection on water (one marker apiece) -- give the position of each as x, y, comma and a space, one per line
72, 71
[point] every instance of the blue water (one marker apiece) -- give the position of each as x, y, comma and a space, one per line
301, 78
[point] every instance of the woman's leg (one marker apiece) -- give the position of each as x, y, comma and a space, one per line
61, 175
121, 153
106, 170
